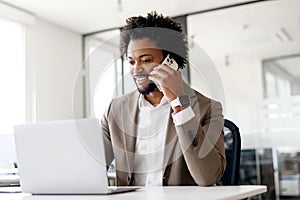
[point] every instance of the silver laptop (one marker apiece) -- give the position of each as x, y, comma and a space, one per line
63, 157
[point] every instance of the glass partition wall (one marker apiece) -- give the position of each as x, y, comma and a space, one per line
104, 71
255, 49
251, 53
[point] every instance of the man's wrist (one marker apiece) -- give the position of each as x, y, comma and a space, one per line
180, 101
177, 109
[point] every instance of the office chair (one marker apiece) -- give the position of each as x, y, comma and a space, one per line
232, 144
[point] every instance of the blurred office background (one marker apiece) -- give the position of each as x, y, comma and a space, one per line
60, 60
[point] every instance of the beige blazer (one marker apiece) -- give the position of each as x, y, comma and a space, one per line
193, 153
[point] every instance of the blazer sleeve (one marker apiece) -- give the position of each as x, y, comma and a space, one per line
202, 143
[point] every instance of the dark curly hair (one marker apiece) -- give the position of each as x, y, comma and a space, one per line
164, 31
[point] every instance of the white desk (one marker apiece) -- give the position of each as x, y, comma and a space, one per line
157, 193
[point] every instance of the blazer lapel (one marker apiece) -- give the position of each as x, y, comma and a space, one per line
129, 119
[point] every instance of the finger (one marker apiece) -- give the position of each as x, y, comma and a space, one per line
155, 78
159, 72
167, 68
160, 80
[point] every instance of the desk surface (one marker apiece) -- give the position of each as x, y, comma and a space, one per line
157, 193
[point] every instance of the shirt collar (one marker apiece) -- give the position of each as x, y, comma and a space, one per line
143, 103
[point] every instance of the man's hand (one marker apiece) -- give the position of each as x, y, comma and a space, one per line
170, 81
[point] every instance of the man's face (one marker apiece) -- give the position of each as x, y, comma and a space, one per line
143, 55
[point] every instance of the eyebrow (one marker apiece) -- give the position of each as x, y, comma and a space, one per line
140, 56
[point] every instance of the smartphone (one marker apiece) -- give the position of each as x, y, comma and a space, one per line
170, 62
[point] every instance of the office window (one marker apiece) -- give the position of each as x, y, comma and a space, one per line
12, 76
281, 77
103, 67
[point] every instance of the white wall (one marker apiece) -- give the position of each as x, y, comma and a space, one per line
7, 148
54, 60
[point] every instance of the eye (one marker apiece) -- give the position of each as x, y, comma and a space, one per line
147, 60
131, 62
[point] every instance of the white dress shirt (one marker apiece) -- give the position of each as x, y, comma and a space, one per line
151, 132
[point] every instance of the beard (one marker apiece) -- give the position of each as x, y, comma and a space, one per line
150, 88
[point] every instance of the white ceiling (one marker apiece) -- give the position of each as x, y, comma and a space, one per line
253, 27
245, 30
86, 16
256, 30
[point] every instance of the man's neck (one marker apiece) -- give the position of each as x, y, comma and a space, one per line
154, 97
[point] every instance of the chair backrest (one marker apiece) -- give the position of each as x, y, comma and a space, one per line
232, 144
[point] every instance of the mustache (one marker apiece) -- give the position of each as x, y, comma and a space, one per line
140, 75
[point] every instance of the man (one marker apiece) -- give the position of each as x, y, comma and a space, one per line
164, 133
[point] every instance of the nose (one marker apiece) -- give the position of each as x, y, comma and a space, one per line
137, 67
